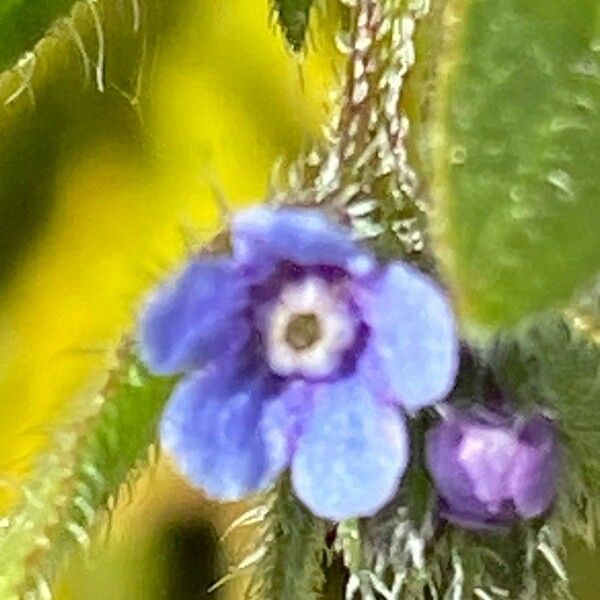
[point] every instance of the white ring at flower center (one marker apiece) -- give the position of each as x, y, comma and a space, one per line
336, 326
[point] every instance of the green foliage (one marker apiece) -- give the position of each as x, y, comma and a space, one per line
516, 155
293, 17
23, 23
523, 563
291, 548
106, 42
102, 448
400, 560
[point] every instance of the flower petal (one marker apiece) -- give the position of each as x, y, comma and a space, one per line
412, 353
451, 480
194, 317
301, 236
284, 417
211, 427
352, 453
533, 481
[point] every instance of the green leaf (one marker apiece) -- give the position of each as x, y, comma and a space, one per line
515, 146
105, 42
293, 17
24, 23
524, 563
292, 550
101, 449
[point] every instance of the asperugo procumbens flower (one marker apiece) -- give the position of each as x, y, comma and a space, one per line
299, 350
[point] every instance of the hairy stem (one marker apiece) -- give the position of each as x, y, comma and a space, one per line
293, 550
362, 171
78, 479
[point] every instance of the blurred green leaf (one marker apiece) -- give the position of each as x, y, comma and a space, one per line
293, 17
516, 154
101, 450
23, 23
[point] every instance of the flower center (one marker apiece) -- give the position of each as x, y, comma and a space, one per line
303, 331
308, 328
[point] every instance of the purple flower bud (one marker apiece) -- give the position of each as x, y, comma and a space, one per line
491, 469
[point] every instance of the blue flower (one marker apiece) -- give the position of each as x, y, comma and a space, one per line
299, 350
492, 468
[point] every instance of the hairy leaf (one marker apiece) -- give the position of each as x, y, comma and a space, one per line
102, 449
516, 154
106, 42
292, 550
23, 23
553, 364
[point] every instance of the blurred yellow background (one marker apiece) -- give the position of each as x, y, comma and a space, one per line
113, 199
